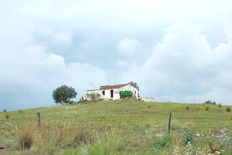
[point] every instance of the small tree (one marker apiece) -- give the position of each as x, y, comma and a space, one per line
64, 94
134, 84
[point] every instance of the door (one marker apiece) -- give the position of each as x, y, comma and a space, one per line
111, 93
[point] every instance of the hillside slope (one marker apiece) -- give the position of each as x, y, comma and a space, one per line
118, 127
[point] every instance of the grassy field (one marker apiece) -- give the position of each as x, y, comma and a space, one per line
118, 127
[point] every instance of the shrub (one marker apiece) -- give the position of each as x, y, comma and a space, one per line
187, 137
228, 109
162, 142
210, 102
4, 110
125, 94
187, 107
7, 116
93, 96
206, 108
219, 105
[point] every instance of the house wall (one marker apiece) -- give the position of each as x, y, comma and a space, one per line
89, 92
116, 95
116, 92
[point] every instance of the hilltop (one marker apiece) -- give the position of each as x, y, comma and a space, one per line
118, 127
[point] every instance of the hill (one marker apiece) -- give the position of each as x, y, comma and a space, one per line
118, 127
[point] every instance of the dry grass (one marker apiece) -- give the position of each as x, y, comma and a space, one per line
25, 137
50, 137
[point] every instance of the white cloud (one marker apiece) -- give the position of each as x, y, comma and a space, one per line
54, 39
89, 43
34, 72
183, 67
129, 46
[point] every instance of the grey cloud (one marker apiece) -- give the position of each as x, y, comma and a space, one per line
183, 67
47, 43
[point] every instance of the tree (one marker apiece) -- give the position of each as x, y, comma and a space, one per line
210, 102
64, 94
134, 84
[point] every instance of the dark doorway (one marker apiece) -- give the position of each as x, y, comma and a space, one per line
112, 93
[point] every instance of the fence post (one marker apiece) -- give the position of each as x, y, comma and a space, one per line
38, 119
169, 122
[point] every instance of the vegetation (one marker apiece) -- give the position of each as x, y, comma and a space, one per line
93, 96
210, 102
64, 94
228, 109
187, 137
117, 127
134, 84
125, 94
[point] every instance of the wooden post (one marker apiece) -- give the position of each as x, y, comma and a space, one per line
38, 119
169, 122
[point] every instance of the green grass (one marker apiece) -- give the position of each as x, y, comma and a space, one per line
119, 127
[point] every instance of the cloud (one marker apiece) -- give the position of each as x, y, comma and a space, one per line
34, 72
54, 39
184, 67
89, 43
129, 46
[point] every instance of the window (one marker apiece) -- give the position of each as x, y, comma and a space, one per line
103, 92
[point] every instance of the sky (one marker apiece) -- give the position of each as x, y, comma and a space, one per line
176, 50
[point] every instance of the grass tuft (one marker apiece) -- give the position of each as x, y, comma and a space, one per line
25, 137
7, 116
187, 137
228, 109
162, 142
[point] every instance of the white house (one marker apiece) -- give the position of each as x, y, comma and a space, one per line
111, 92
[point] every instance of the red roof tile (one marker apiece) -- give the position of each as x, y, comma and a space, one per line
112, 86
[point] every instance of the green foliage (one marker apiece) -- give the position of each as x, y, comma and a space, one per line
134, 84
162, 142
64, 94
125, 94
187, 137
93, 96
